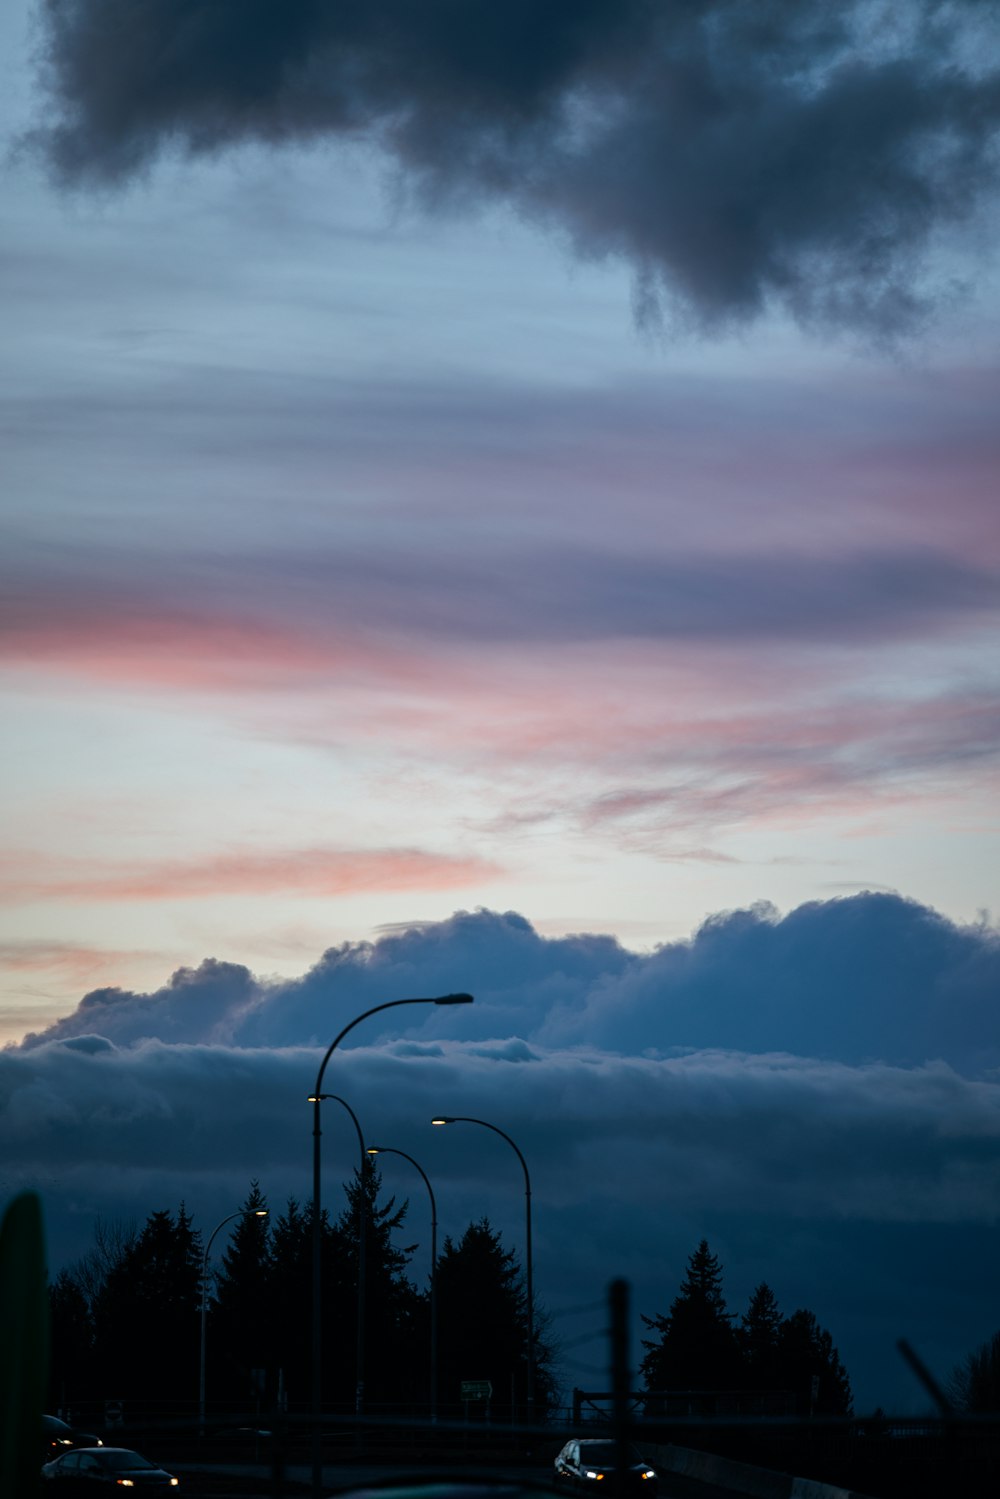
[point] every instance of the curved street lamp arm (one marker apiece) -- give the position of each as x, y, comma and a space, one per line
464, 1119
335, 1098
391, 1004
242, 1213
391, 1150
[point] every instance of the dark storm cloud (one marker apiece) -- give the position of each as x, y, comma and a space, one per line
867, 978
733, 154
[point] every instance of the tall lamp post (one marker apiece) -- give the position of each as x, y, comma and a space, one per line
315, 1098
530, 1380
388, 1150
362, 1248
241, 1213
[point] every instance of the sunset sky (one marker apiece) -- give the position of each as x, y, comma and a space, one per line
507, 460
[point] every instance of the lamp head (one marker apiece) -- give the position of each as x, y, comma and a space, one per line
443, 1120
260, 1212
454, 999
374, 1150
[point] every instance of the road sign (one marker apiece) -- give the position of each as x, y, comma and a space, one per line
476, 1389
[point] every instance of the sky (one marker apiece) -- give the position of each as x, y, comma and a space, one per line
504, 499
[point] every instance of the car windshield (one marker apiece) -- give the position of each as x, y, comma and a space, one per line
602, 1454
119, 1459
54, 1426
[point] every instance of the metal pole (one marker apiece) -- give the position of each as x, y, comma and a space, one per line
240, 1213
316, 1333
529, 1285
359, 1384
317, 1310
618, 1308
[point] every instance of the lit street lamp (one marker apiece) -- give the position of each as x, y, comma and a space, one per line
241, 1213
388, 1150
315, 1098
530, 1381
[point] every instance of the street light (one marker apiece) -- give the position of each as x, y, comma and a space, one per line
240, 1213
388, 1150
362, 1244
315, 1098
530, 1381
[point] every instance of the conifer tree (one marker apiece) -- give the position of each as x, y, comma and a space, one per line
758, 1337
392, 1304
288, 1303
806, 1352
483, 1323
72, 1342
238, 1325
697, 1347
146, 1313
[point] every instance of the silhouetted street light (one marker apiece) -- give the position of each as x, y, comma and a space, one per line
240, 1213
359, 1384
388, 1150
315, 1098
530, 1383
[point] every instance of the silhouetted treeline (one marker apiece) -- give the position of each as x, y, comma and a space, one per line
126, 1318
701, 1347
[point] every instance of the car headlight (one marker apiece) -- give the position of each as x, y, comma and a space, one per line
126, 1483
648, 1473
591, 1474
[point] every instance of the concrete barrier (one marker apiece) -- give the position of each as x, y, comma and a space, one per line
742, 1478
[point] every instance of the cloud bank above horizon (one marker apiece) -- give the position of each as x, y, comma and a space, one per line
866, 978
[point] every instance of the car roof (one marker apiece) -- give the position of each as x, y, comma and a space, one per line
98, 1451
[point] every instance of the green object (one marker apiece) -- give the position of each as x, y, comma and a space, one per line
24, 1346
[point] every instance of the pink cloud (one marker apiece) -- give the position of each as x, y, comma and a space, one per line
313, 872
688, 772
76, 960
160, 646
690, 734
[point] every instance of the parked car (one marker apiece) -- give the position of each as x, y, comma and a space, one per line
58, 1437
585, 1464
95, 1470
